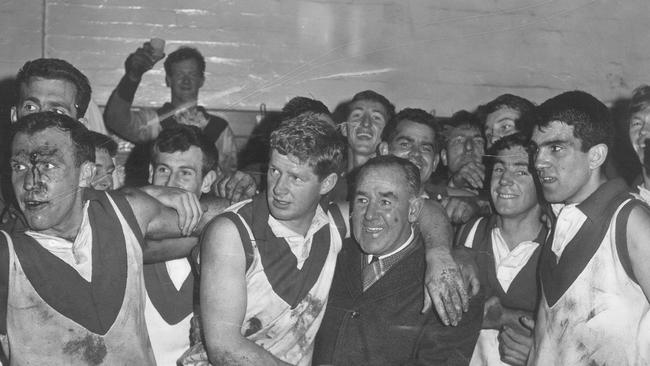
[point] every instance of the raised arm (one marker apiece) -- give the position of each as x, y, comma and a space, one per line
223, 298
117, 114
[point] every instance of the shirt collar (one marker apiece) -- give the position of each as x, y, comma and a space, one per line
282, 231
401, 247
592, 207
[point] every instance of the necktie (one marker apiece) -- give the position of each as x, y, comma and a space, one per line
371, 272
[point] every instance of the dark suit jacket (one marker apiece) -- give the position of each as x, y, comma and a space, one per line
384, 325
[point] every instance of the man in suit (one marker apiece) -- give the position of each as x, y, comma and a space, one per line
373, 314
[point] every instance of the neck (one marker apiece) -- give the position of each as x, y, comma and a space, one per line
300, 225
523, 227
646, 179
184, 103
356, 160
71, 223
595, 181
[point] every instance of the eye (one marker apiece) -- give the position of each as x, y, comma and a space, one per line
356, 115
187, 173
404, 144
361, 199
555, 148
427, 148
378, 118
59, 110
636, 123
48, 166
296, 178
18, 167
273, 171
162, 170
498, 170
30, 107
522, 172
385, 202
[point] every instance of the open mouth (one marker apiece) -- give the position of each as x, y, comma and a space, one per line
364, 135
34, 205
506, 196
547, 180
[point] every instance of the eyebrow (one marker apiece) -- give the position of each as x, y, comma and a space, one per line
553, 142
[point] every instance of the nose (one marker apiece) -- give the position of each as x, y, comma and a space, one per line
32, 179
371, 211
469, 145
541, 159
366, 120
505, 179
280, 186
174, 180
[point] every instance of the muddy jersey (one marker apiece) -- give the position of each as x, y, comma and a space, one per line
55, 316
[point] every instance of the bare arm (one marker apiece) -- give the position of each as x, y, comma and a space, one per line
166, 249
638, 245
443, 278
166, 212
223, 298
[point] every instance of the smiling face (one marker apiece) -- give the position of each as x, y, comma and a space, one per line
416, 143
512, 187
365, 123
564, 169
40, 95
46, 179
500, 123
382, 210
180, 169
639, 131
294, 190
185, 80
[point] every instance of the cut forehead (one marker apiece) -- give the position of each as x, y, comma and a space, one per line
49, 142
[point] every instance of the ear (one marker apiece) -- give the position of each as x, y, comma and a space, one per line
597, 156
150, 174
87, 173
443, 156
415, 206
383, 148
208, 180
328, 183
343, 128
434, 163
167, 81
14, 114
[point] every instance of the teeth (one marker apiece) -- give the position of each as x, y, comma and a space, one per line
503, 195
373, 229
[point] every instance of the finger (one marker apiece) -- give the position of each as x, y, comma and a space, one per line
440, 309
449, 308
180, 209
197, 212
187, 207
222, 187
456, 304
461, 288
426, 306
528, 323
475, 284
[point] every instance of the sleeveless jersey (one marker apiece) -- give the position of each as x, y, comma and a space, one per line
168, 310
522, 294
285, 305
592, 311
47, 327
